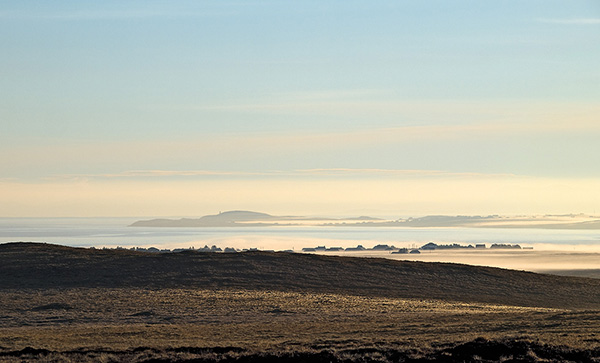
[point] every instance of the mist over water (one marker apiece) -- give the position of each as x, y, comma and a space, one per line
552, 249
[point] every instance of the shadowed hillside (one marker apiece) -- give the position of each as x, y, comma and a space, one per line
35, 265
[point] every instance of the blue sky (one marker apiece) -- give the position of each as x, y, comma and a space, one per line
194, 91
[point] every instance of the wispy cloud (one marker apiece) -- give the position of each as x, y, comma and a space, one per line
149, 174
313, 173
396, 173
382, 106
572, 21
250, 152
167, 173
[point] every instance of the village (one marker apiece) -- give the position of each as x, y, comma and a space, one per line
430, 246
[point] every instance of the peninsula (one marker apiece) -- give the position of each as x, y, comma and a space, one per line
256, 219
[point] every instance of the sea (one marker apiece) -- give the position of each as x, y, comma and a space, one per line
113, 232
543, 249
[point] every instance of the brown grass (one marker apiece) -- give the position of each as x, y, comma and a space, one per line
49, 266
269, 321
121, 320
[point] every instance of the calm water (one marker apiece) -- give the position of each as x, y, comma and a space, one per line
112, 232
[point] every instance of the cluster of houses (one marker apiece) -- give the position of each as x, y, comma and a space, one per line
381, 247
427, 247
166, 250
480, 246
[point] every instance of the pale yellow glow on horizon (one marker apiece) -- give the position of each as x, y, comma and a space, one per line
470, 195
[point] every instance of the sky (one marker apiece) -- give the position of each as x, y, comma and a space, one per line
388, 108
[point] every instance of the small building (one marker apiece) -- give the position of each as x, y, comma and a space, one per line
383, 248
357, 248
429, 246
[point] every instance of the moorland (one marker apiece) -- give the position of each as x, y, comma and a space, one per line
73, 304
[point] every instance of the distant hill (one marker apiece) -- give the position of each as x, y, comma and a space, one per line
225, 219
255, 219
543, 222
43, 266
241, 218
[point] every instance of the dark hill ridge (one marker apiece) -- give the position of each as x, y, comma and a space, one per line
37, 265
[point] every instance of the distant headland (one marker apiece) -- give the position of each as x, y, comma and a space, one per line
257, 219
252, 219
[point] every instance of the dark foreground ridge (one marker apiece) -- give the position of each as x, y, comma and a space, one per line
478, 350
44, 266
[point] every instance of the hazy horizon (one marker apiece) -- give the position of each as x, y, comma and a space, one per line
378, 214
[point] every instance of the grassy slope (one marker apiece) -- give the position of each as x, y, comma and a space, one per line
33, 265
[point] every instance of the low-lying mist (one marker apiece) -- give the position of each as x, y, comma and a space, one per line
582, 260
